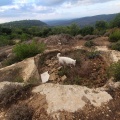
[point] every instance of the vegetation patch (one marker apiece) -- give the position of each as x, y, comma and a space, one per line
89, 43
23, 51
10, 61
115, 46
114, 71
20, 112
115, 36
93, 54
10, 94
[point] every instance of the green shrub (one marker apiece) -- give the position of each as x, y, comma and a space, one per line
89, 43
20, 112
4, 40
18, 79
77, 80
115, 46
24, 36
114, 71
93, 54
23, 51
115, 36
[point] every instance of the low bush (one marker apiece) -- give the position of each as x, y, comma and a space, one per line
114, 71
116, 46
79, 37
10, 61
23, 50
115, 36
89, 43
63, 71
77, 80
93, 54
20, 112
12, 93
89, 37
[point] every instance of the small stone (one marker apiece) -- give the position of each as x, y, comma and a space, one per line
45, 77
59, 68
50, 65
53, 70
47, 62
53, 77
107, 115
63, 78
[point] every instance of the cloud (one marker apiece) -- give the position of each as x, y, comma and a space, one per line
51, 9
72, 2
50, 2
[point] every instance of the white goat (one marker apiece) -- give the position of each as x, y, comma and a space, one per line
65, 60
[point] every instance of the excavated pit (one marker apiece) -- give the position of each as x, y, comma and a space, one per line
90, 69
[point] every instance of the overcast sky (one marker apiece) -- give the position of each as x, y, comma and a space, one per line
11, 10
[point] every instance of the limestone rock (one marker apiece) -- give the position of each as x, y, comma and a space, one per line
63, 78
70, 97
53, 70
25, 70
53, 77
44, 77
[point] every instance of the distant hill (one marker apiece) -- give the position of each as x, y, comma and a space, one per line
24, 23
82, 21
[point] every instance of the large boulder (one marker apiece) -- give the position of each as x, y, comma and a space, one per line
25, 70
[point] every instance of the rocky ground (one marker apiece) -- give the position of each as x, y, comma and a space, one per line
83, 92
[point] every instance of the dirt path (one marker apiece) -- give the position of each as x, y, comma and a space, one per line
5, 49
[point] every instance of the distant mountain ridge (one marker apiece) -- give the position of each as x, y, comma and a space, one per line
82, 21
24, 23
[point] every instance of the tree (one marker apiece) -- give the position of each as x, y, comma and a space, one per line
116, 21
6, 31
87, 30
74, 29
101, 25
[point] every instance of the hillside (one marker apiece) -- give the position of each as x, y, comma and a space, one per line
82, 21
24, 23
80, 92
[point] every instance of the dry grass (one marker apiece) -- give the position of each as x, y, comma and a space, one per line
20, 112
10, 94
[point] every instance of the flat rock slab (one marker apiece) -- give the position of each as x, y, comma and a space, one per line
70, 97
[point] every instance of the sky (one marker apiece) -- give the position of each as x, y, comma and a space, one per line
12, 10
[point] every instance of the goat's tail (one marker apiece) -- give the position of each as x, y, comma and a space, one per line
58, 55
